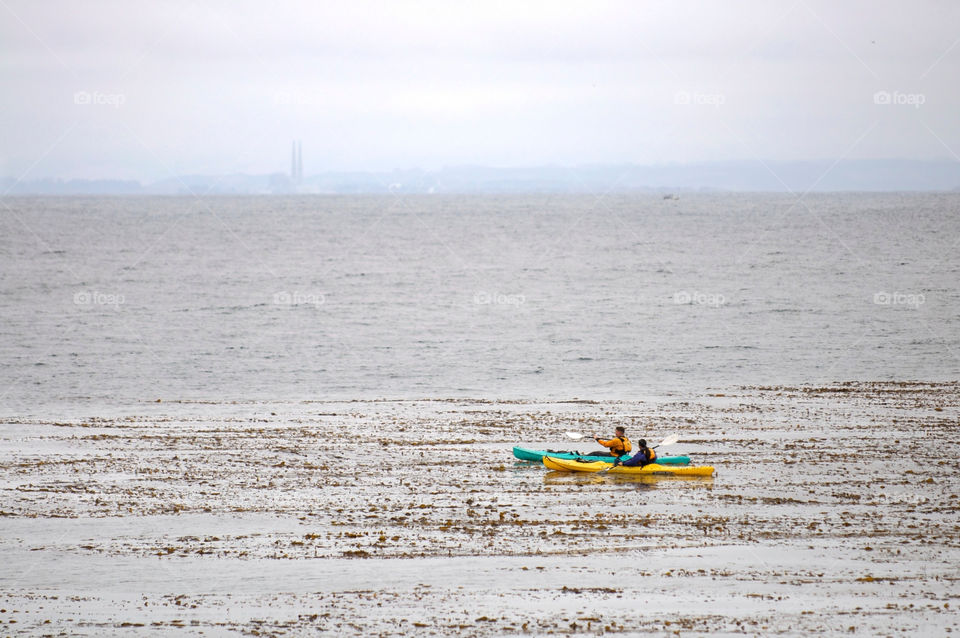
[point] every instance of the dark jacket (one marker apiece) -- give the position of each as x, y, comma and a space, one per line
644, 456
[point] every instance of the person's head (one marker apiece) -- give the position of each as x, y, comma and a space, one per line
643, 442
621, 431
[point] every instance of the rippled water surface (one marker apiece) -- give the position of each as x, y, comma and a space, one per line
116, 300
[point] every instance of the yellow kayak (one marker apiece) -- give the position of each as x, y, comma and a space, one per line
596, 466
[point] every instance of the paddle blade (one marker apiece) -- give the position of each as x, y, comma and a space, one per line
575, 436
670, 440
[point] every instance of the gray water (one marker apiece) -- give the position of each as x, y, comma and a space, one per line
108, 301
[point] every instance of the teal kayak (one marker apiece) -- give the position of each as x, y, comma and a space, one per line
525, 454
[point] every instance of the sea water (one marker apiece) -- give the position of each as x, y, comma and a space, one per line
119, 300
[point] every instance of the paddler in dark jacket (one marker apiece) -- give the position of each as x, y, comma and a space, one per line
644, 456
617, 446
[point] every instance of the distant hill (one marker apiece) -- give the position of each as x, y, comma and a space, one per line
11, 186
849, 175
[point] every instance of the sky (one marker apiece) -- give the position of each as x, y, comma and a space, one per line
148, 90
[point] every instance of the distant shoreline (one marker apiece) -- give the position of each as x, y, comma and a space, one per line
657, 194
881, 175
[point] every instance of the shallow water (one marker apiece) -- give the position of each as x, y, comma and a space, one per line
400, 517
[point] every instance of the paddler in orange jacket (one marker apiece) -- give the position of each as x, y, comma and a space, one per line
617, 446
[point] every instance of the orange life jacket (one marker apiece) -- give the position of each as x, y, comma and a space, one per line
624, 447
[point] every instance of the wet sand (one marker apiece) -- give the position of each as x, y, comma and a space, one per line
833, 510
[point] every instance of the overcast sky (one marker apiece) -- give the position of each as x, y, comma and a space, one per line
145, 90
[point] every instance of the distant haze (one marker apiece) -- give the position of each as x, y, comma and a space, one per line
150, 91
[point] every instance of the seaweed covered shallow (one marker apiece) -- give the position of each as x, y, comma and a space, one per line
833, 508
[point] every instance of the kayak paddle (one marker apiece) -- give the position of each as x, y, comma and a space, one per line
670, 440
576, 436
